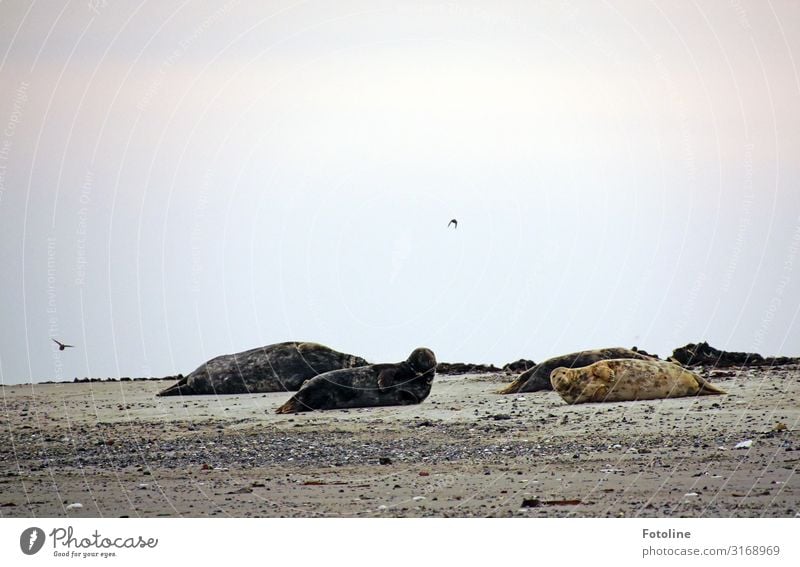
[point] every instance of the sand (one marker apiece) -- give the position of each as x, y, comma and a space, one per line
118, 451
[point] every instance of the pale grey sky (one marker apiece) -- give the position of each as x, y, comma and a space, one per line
182, 180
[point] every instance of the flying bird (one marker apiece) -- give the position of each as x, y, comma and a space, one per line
62, 346
454, 222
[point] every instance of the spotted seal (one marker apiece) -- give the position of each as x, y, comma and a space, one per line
538, 377
625, 379
273, 368
403, 383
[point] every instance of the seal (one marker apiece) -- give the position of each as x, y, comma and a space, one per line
625, 379
538, 377
273, 368
403, 383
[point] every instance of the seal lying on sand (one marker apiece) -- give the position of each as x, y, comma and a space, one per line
400, 384
538, 377
273, 368
623, 380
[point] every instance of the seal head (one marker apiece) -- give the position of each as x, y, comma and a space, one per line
421, 360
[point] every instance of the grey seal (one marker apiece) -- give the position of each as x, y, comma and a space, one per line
403, 383
273, 368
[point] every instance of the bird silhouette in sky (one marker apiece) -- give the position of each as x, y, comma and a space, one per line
454, 222
62, 346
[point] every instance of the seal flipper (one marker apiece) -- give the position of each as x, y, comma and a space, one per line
179, 388
707, 388
512, 388
408, 398
386, 378
292, 406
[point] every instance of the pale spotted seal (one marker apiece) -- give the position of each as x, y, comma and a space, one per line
625, 379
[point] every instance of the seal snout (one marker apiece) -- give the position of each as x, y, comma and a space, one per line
422, 360
558, 376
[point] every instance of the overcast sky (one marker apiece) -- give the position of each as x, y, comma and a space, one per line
179, 180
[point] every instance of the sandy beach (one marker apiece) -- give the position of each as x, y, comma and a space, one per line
113, 449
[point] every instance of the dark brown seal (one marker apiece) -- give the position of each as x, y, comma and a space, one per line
404, 383
538, 377
273, 368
